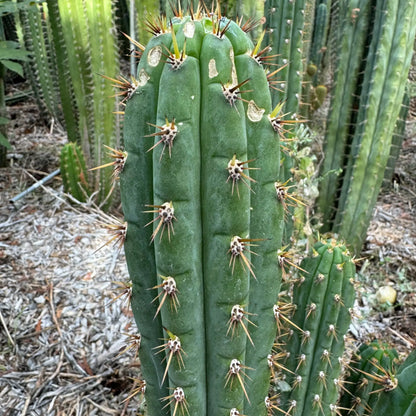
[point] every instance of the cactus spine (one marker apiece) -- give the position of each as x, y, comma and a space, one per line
398, 391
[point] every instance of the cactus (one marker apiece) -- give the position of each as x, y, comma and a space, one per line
314, 344
397, 396
320, 33
346, 76
74, 172
361, 387
204, 208
284, 30
78, 38
199, 187
360, 142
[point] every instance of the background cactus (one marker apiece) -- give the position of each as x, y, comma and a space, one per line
202, 135
369, 363
74, 172
397, 396
359, 142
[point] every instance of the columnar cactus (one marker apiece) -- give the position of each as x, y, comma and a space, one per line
398, 391
78, 39
358, 141
199, 186
284, 32
314, 344
74, 172
368, 366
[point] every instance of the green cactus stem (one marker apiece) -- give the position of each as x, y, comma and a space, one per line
78, 38
398, 391
350, 57
204, 222
263, 291
397, 139
323, 297
320, 30
140, 110
360, 388
370, 131
74, 172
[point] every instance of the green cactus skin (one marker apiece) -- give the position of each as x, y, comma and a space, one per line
284, 33
381, 97
284, 28
66, 89
399, 401
176, 178
218, 145
74, 172
323, 298
79, 40
358, 394
218, 221
43, 77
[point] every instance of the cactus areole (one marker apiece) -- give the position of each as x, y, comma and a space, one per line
204, 222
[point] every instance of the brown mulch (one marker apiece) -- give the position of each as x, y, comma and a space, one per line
61, 333
60, 330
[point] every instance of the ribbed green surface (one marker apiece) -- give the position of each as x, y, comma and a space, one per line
359, 143
74, 42
401, 400
349, 60
322, 299
263, 291
370, 359
136, 183
320, 30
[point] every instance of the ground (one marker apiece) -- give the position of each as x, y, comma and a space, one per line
62, 332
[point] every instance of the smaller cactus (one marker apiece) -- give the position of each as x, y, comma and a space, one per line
320, 30
323, 298
370, 364
74, 172
397, 395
